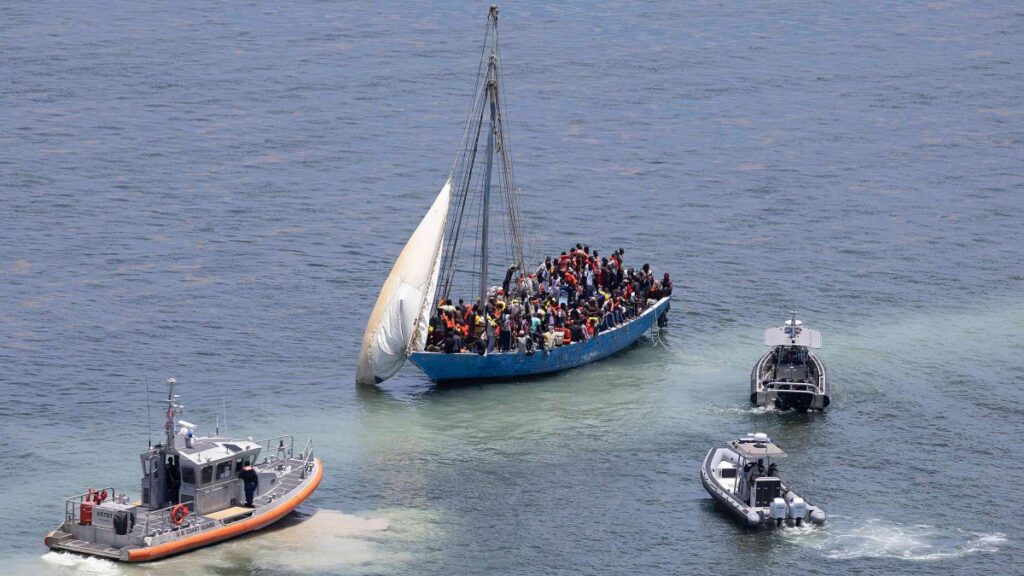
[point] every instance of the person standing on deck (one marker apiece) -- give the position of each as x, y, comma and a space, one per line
608, 278
505, 335
543, 269
588, 280
508, 278
478, 324
173, 480
448, 307
646, 282
250, 481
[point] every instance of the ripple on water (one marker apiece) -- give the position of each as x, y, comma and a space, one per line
845, 539
724, 410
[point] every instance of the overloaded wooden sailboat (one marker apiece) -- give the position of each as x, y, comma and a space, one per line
425, 272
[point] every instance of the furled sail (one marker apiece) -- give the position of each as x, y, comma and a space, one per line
400, 317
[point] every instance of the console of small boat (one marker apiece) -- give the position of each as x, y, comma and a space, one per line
789, 375
193, 494
745, 479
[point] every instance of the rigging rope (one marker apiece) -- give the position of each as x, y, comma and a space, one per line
466, 180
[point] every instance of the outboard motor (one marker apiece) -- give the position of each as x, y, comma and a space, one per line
777, 511
798, 510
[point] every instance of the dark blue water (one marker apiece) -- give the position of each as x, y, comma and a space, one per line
215, 193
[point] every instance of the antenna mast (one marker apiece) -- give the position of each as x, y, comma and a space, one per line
172, 407
149, 419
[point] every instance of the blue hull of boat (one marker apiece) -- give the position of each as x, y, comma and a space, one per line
454, 367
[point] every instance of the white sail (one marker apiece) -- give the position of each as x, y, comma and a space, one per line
400, 316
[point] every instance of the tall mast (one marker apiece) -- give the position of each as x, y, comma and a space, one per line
492, 90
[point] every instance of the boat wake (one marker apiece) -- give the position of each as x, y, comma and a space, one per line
328, 540
882, 539
725, 410
73, 564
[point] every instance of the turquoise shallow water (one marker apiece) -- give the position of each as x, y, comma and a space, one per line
215, 193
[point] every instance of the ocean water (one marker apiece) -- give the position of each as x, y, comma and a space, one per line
215, 192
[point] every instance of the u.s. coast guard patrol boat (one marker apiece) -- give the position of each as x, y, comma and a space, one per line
191, 495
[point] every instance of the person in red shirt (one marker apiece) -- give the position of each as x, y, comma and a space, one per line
570, 278
563, 262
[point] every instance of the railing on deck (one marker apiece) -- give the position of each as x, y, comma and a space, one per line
160, 520
73, 505
307, 457
281, 446
791, 387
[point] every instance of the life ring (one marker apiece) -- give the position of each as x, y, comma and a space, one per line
179, 513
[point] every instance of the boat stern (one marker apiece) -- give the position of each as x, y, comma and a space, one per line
53, 538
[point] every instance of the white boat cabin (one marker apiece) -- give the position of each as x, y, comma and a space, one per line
200, 472
752, 476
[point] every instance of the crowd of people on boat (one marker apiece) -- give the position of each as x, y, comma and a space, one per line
567, 299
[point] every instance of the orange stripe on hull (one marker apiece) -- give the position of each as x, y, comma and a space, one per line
230, 531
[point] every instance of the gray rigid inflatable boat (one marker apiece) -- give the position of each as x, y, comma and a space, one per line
754, 493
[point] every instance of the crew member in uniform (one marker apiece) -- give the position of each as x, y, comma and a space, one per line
251, 481
173, 480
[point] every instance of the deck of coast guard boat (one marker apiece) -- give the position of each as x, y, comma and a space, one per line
191, 496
